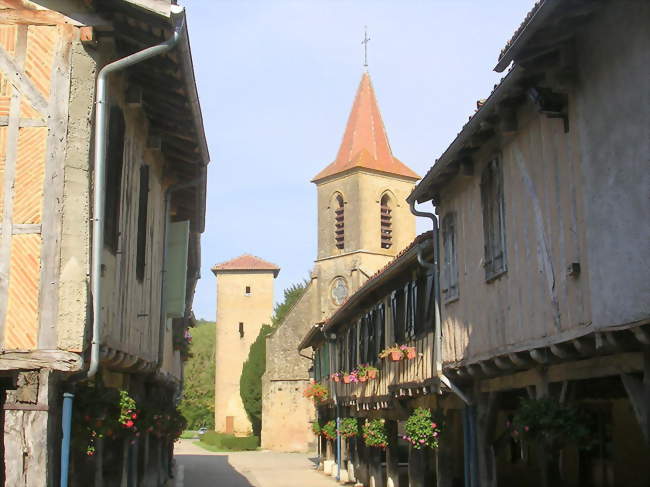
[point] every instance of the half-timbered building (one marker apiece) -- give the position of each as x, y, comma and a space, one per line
102, 198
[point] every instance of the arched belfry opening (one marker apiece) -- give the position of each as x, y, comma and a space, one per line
386, 221
339, 221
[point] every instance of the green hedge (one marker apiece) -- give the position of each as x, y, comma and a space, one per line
230, 442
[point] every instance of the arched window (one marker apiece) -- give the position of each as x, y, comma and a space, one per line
386, 229
339, 222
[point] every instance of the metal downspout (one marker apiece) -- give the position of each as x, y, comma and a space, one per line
99, 167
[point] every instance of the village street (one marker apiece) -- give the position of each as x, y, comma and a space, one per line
196, 467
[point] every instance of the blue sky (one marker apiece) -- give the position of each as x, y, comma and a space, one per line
276, 81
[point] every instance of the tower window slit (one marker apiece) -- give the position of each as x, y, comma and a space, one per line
339, 223
386, 222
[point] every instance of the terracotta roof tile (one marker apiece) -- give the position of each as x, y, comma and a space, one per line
247, 262
365, 143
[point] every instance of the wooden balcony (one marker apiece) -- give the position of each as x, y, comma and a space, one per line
395, 379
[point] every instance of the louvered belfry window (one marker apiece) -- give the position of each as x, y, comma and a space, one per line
386, 223
339, 222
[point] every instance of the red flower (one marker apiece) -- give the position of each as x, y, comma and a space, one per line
134, 415
129, 424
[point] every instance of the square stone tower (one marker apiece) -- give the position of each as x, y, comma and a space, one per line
244, 304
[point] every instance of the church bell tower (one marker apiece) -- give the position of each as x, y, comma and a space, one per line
363, 217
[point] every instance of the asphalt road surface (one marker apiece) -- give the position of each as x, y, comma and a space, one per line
196, 467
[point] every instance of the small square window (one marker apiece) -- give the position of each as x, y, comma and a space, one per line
247, 292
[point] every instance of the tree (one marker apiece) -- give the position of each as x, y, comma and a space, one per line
198, 388
250, 382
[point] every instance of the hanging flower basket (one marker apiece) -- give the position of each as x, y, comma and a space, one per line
317, 392
374, 433
422, 430
349, 427
329, 430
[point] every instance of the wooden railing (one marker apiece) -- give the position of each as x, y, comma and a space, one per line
393, 379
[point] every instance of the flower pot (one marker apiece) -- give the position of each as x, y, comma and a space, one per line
411, 354
337, 378
347, 379
396, 356
363, 378
372, 374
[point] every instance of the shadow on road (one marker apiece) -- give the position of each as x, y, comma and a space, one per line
210, 470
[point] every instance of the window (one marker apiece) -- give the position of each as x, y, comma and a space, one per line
247, 291
386, 222
352, 347
114, 160
450, 265
493, 219
425, 304
241, 330
143, 204
398, 313
339, 222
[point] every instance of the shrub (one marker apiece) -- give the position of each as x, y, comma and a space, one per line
422, 430
223, 441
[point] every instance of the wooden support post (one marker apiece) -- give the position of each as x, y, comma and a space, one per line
417, 468
392, 455
361, 464
487, 408
350, 459
445, 461
375, 468
638, 391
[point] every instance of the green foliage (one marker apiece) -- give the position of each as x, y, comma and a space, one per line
329, 430
198, 389
422, 430
374, 433
349, 427
552, 424
316, 428
250, 381
291, 295
224, 442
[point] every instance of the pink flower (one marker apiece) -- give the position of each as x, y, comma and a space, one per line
526, 428
434, 425
129, 424
435, 434
421, 442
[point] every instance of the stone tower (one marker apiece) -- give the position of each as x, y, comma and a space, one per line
244, 304
363, 222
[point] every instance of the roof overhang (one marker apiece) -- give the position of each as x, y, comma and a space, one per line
169, 93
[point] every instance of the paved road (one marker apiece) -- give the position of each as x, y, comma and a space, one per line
197, 467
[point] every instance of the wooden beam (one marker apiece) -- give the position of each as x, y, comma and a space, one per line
40, 359
638, 391
596, 367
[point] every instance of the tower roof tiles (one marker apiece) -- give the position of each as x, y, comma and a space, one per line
365, 142
247, 262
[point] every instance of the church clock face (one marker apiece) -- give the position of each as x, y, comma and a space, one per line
339, 290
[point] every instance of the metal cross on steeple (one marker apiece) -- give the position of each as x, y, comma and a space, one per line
365, 41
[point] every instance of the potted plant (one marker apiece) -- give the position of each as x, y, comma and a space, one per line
374, 433
335, 376
366, 372
409, 352
351, 377
316, 428
422, 430
393, 353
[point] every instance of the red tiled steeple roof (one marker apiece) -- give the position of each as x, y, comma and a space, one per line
247, 262
365, 143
